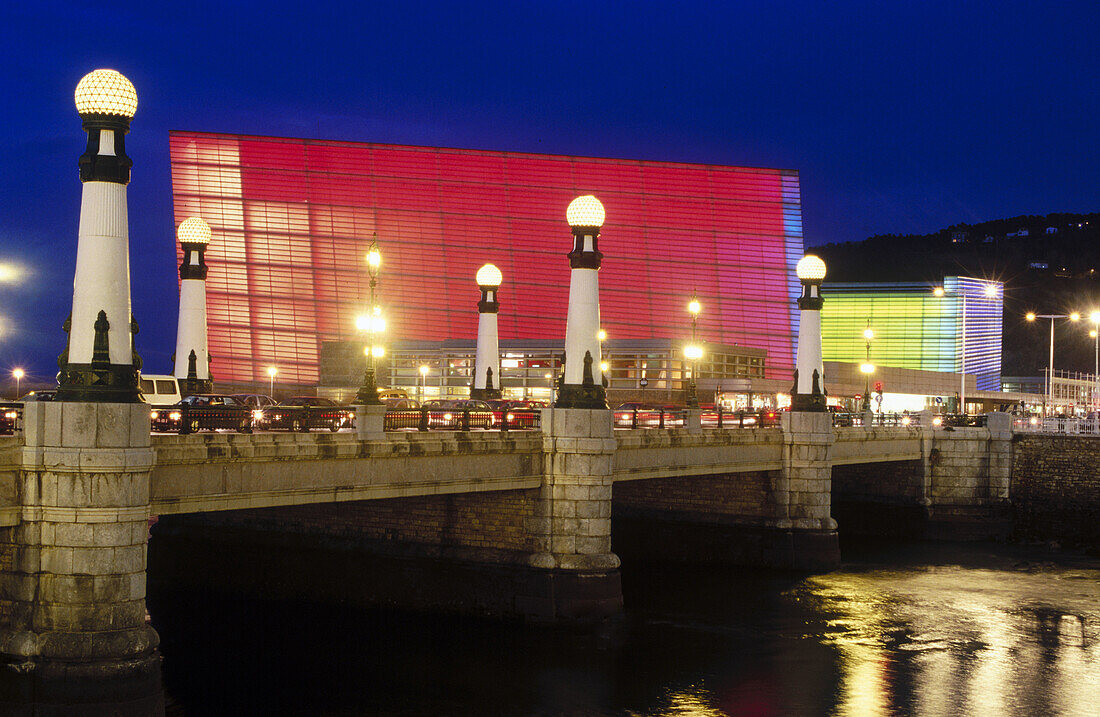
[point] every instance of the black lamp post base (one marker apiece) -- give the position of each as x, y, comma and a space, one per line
692, 396
809, 402
367, 395
192, 386
98, 383
485, 394
581, 396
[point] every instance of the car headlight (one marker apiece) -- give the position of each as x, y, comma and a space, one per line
511, 416
174, 415
11, 414
446, 416
154, 415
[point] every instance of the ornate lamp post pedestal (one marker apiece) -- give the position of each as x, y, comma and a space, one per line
486, 383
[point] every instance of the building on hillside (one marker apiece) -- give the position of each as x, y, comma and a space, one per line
292, 219
918, 326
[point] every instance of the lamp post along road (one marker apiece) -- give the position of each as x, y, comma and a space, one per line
808, 392
372, 323
693, 352
99, 362
582, 384
271, 371
867, 368
17, 374
192, 368
1094, 334
1031, 316
486, 383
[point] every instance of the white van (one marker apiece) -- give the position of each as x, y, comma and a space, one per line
159, 390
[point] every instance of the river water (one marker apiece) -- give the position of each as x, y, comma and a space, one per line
900, 629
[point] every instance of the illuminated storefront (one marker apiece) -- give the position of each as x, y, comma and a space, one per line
918, 326
292, 218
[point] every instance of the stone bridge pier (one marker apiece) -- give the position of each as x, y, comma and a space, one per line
72, 592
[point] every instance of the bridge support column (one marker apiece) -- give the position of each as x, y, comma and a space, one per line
74, 595
370, 422
804, 489
572, 523
999, 424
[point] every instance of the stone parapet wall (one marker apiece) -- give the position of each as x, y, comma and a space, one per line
1056, 487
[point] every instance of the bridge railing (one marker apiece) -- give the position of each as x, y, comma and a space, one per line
423, 419
1055, 424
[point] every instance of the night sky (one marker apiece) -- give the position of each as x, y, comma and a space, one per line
901, 117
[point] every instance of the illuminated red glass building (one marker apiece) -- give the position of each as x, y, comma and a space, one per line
292, 219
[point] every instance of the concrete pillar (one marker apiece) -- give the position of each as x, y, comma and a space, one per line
77, 582
572, 521
486, 384
806, 480
693, 420
370, 422
192, 368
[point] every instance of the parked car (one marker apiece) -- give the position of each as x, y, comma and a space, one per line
9, 417
301, 413
449, 413
635, 413
255, 400
46, 394
401, 404
159, 390
209, 411
520, 413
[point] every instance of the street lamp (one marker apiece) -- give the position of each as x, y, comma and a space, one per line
1031, 316
1094, 334
18, 375
693, 352
867, 368
271, 371
373, 323
423, 380
990, 292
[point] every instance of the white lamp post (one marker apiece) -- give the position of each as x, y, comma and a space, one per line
192, 369
99, 362
17, 374
487, 357
694, 307
582, 386
1031, 316
423, 380
867, 368
271, 371
808, 393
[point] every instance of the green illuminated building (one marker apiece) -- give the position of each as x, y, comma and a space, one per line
918, 326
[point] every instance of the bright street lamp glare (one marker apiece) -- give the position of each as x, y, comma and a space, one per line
1030, 316
693, 352
990, 290
423, 370
271, 371
362, 322
1094, 317
17, 373
489, 275
938, 291
604, 366
810, 268
1092, 333
374, 258
601, 335
378, 351
1075, 316
868, 334
694, 307
866, 368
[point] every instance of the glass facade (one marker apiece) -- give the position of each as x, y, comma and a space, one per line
915, 328
292, 219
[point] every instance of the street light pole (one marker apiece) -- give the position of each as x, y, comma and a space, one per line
1031, 316
694, 352
18, 374
373, 322
867, 368
271, 371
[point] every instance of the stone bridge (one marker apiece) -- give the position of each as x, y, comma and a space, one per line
531, 510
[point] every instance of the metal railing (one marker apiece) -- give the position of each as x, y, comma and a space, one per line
423, 419
1060, 425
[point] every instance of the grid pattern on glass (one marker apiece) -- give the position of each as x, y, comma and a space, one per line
914, 328
292, 220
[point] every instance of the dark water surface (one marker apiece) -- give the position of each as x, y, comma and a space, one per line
928, 629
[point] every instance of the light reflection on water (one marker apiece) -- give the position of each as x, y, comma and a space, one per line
919, 629
969, 640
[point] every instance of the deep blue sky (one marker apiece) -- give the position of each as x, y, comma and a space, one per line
901, 116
